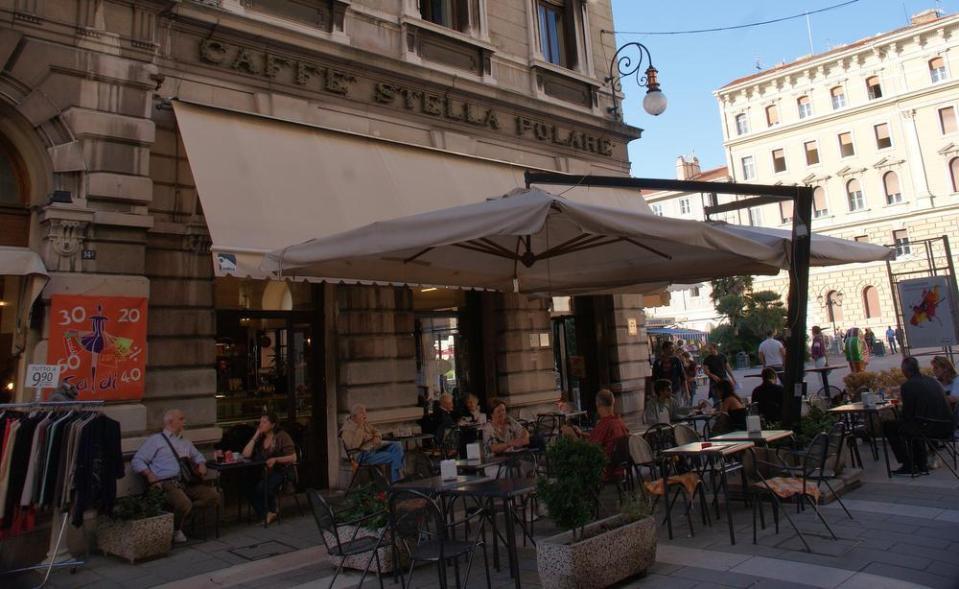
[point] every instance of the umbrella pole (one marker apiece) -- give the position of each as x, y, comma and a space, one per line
798, 304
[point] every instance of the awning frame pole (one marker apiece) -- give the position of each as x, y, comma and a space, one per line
799, 255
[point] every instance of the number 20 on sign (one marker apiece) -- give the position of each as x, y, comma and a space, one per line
100, 345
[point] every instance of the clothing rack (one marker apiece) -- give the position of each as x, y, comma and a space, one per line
55, 558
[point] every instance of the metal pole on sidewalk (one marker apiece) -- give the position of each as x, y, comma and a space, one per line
798, 303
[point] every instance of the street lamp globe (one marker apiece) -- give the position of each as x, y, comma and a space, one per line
655, 102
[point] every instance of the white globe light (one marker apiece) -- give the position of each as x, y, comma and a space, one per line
655, 102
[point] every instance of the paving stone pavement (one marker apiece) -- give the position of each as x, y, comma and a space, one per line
905, 534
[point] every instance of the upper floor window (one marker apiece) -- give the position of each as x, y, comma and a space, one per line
890, 185
805, 107
937, 69
947, 120
657, 210
819, 206
694, 291
755, 216
846, 147
873, 87
684, 207
749, 168
772, 115
883, 139
838, 97
786, 208
779, 160
452, 14
901, 238
556, 39
861, 239
954, 173
812, 153
742, 124
854, 194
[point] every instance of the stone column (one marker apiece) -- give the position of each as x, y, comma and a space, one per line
629, 356
524, 354
376, 354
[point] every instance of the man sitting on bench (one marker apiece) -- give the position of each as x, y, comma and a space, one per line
358, 434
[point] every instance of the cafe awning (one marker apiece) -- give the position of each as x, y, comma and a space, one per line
26, 267
265, 183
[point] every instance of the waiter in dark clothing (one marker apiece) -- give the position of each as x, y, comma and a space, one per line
922, 399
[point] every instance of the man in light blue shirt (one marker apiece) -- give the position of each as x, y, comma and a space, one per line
156, 461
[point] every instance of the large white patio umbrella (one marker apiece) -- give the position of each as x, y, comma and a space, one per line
532, 242
823, 249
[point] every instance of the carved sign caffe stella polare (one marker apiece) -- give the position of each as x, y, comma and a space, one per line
334, 81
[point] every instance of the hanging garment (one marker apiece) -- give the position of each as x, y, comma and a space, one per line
99, 465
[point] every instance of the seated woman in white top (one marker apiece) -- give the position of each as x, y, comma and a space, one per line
946, 375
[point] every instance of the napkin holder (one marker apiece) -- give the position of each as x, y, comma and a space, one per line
448, 470
473, 451
869, 400
754, 424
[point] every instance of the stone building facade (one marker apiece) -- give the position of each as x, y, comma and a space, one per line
104, 188
871, 125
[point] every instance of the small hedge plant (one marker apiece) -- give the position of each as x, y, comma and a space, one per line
134, 507
576, 473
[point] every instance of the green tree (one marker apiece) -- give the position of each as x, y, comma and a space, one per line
749, 315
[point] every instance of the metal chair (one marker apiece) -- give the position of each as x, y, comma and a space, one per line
336, 547
424, 532
688, 483
787, 482
932, 433
357, 467
683, 434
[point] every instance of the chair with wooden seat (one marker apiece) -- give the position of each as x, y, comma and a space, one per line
689, 484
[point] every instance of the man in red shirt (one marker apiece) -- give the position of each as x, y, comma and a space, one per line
608, 430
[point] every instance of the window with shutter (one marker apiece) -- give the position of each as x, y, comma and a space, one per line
772, 115
805, 107
452, 14
819, 205
812, 153
846, 147
742, 125
854, 195
954, 173
870, 302
873, 87
557, 38
786, 210
901, 239
883, 140
947, 120
779, 161
749, 168
838, 97
890, 184
937, 70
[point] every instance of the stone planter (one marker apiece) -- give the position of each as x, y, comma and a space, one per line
358, 561
136, 539
622, 551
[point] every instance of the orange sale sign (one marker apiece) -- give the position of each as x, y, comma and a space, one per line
100, 345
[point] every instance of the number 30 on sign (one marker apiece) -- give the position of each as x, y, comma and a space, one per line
100, 345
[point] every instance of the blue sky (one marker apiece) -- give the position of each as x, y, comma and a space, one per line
691, 67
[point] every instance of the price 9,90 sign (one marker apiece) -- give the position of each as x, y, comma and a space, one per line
100, 345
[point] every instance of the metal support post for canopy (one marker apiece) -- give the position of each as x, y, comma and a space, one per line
799, 255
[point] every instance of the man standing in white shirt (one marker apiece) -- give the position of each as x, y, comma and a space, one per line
772, 354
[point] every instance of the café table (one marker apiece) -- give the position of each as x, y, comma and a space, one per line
824, 375
406, 440
695, 419
760, 438
710, 451
438, 485
234, 470
507, 492
872, 413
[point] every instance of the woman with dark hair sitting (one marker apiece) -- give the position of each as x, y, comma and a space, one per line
731, 405
276, 447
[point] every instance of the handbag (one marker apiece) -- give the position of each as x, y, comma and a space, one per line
189, 470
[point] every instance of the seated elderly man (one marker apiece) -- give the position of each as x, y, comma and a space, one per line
160, 461
358, 434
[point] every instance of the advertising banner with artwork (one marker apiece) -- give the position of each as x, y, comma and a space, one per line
928, 312
100, 345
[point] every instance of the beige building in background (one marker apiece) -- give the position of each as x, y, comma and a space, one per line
872, 126
100, 177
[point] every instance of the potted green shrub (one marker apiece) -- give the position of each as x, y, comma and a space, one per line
589, 553
360, 502
138, 528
